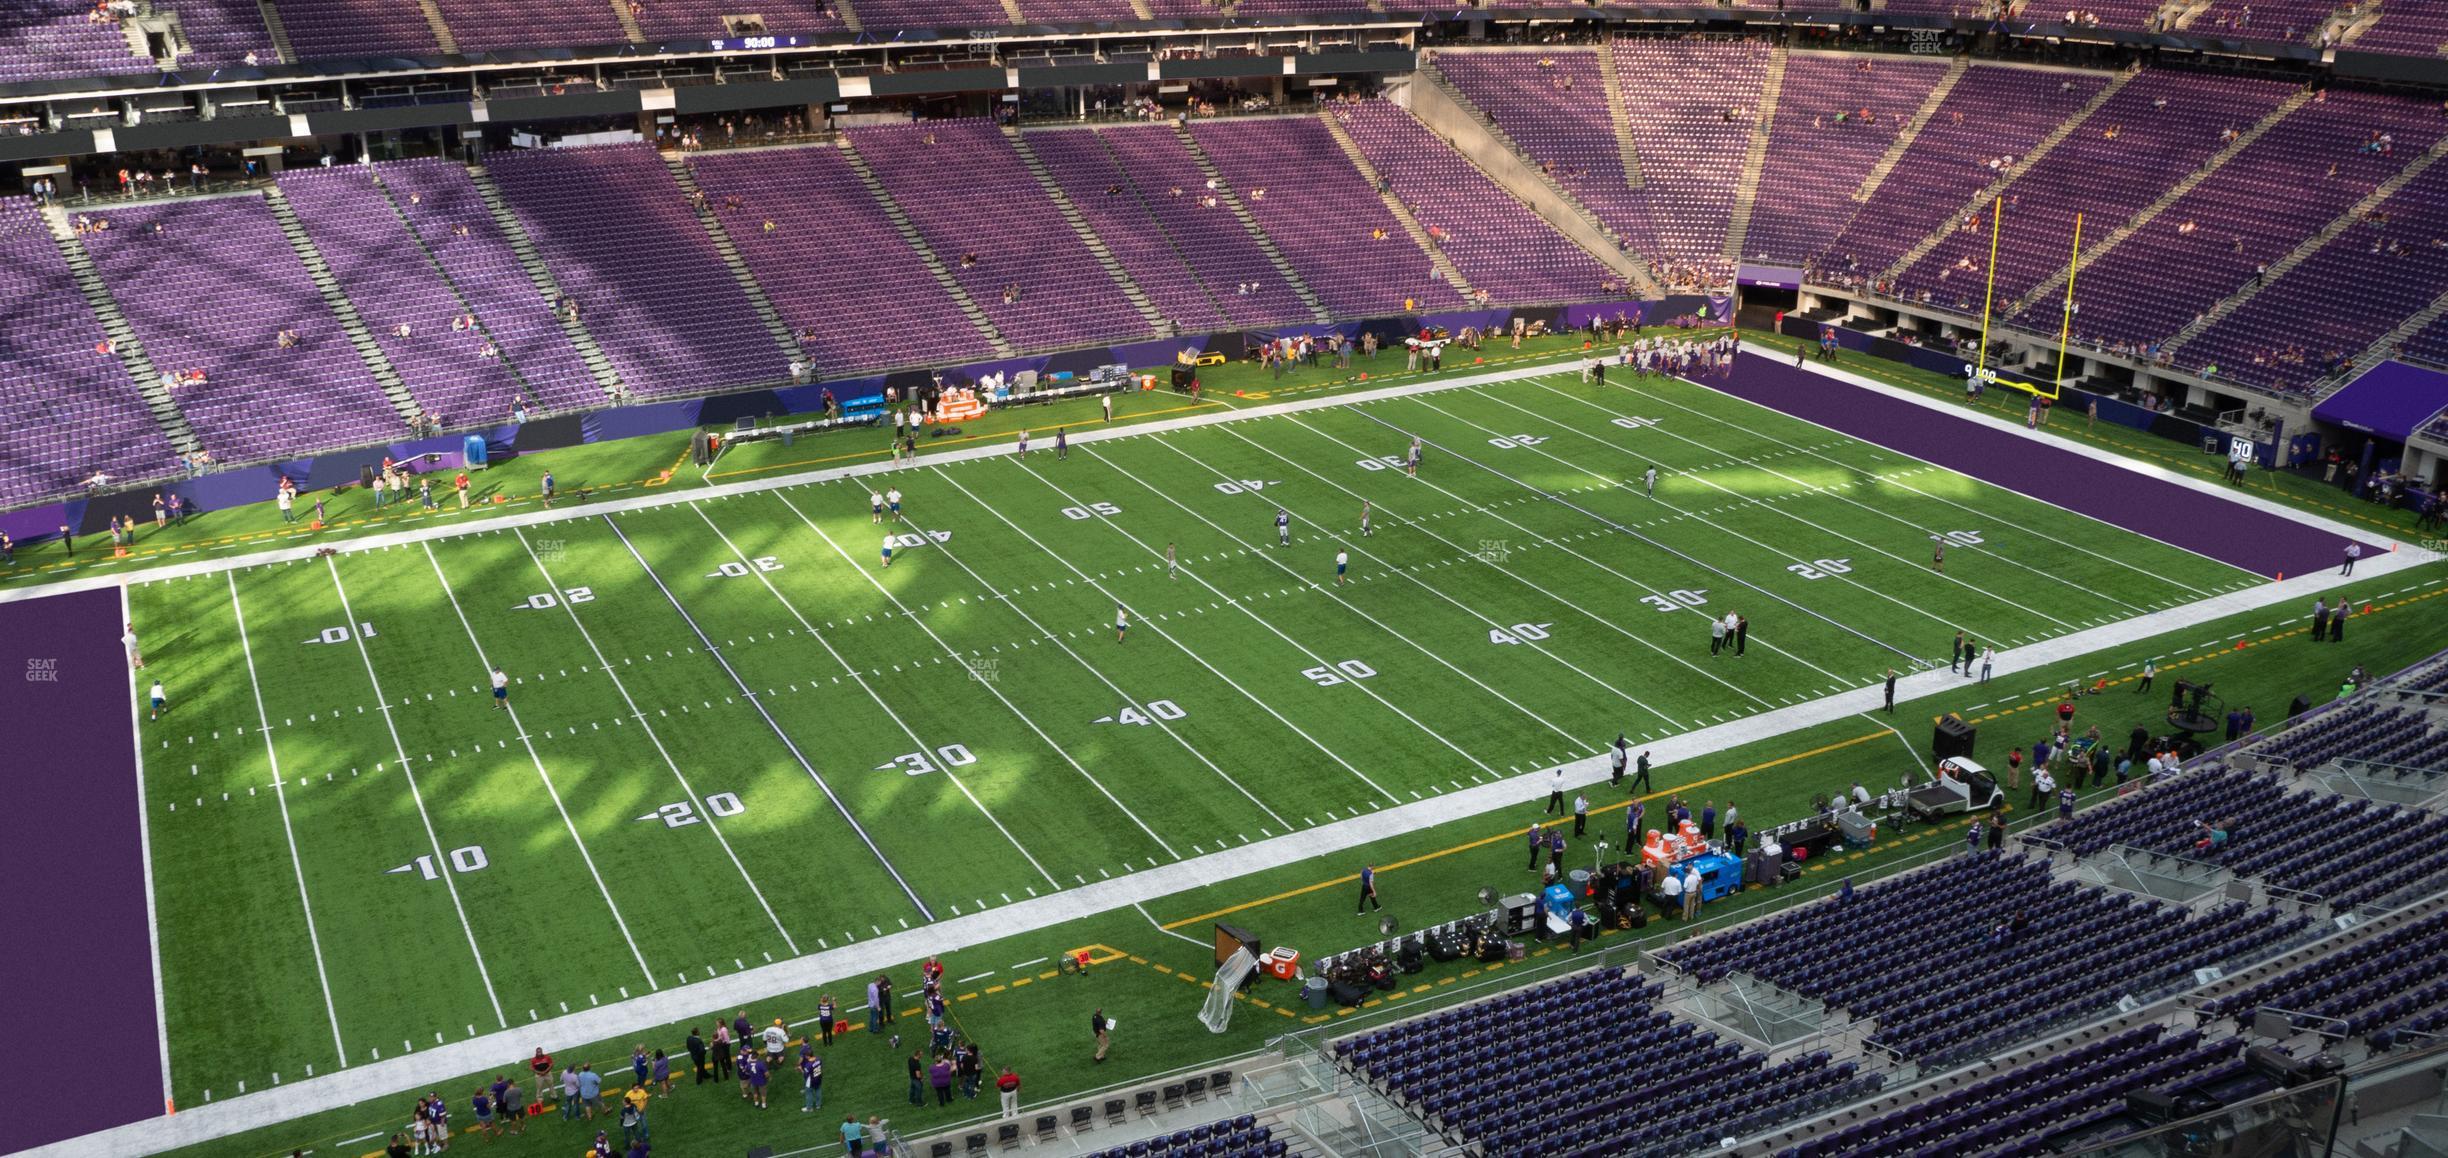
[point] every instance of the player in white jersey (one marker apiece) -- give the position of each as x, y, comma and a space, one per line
875, 507
1649, 482
1121, 623
1172, 564
1342, 562
1365, 506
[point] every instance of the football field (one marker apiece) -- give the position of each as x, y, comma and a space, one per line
734, 735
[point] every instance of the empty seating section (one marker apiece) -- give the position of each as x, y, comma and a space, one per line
932, 14
1995, 113
1692, 104
1843, 953
53, 38
1500, 246
1588, 1065
2409, 27
843, 277
2308, 169
1118, 212
1553, 107
2288, 335
357, 28
391, 284
673, 19
1078, 11
1240, 1137
2363, 731
969, 195
2430, 345
2291, 21
2312, 842
440, 202
1323, 216
1214, 241
72, 410
485, 25
2380, 982
220, 32
622, 240
1835, 117
2151, 134
2007, 1113
258, 402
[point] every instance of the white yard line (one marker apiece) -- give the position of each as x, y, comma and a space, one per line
1157, 627
713, 822
1560, 545
1805, 488
1236, 603
1423, 528
263, 721
1686, 556
805, 765
623, 1019
550, 789
1871, 475
408, 770
144, 844
943, 550
953, 652
1347, 605
1353, 543
1910, 567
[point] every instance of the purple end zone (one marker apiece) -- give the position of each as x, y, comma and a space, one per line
72, 857
2097, 486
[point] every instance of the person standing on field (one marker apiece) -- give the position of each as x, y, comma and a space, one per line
501, 689
1368, 890
1008, 1085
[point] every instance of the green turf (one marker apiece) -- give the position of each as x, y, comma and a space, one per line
963, 729
1426, 877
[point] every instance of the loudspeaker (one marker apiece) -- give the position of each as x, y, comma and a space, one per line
1953, 737
2151, 1106
2277, 1066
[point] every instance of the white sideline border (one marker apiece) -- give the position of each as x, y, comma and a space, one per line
426, 1068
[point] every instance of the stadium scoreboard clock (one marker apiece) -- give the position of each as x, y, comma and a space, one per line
753, 43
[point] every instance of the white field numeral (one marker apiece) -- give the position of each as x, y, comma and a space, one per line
918, 763
735, 569
1821, 568
1090, 511
1677, 599
545, 600
342, 634
1346, 671
1519, 633
680, 814
1510, 441
1155, 710
462, 860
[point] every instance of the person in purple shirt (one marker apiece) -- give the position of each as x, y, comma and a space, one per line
811, 1074
939, 1076
754, 1067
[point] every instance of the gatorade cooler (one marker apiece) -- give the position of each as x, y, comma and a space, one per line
1283, 963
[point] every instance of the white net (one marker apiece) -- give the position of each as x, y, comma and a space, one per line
1217, 1013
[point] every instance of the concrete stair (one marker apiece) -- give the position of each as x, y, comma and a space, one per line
279, 30
1437, 260
1140, 196
1232, 201
369, 348
435, 262
780, 330
1430, 77
2308, 246
2381, 350
1122, 278
1980, 202
2151, 212
123, 337
909, 233
1912, 130
441, 27
1621, 116
849, 15
541, 276
1011, 12
1746, 189
628, 23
